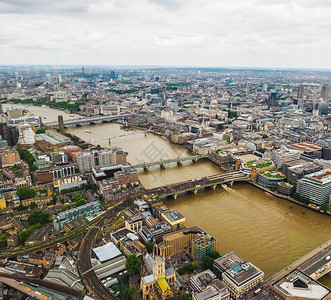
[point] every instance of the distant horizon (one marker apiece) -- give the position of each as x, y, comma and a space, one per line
137, 66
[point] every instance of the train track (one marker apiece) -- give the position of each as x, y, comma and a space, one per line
91, 282
45, 283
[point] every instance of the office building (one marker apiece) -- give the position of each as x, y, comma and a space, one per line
100, 158
301, 91
181, 240
237, 274
202, 246
270, 179
297, 285
206, 286
316, 186
324, 92
297, 169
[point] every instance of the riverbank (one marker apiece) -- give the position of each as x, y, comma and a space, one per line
288, 198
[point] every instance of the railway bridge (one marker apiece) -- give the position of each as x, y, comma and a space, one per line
195, 185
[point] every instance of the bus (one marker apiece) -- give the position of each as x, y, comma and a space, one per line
258, 291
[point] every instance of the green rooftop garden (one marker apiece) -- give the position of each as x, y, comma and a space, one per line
274, 174
259, 165
264, 165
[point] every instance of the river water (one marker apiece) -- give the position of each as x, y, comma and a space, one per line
267, 231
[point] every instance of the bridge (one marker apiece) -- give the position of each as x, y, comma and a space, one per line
163, 163
195, 185
88, 121
314, 264
319, 264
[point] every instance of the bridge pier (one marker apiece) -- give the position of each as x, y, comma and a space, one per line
231, 183
195, 191
214, 186
174, 196
145, 168
163, 165
195, 160
180, 162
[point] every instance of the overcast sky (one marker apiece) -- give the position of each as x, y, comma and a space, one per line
238, 33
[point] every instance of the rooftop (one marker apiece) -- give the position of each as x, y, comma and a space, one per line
307, 146
299, 285
107, 252
301, 165
322, 177
237, 269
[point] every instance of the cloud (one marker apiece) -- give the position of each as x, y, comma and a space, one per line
262, 33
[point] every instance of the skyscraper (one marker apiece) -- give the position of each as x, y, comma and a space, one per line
301, 90
324, 92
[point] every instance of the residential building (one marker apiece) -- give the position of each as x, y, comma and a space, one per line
79, 212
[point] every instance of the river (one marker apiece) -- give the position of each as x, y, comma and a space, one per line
265, 230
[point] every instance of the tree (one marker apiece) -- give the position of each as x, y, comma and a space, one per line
215, 254
26, 193
325, 207
40, 130
133, 264
183, 296
3, 241
38, 218
33, 205
149, 247
265, 136
130, 293
207, 262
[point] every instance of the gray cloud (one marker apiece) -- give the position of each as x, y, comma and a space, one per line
274, 33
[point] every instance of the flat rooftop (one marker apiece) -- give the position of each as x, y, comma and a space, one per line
321, 177
237, 269
297, 284
307, 146
301, 165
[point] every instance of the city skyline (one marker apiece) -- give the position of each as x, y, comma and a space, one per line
259, 34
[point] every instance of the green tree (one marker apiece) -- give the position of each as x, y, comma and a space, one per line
130, 293
25, 193
3, 241
265, 136
149, 247
38, 218
188, 268
133, 264
325, 207
215, 254
183, 296
33, 205
40, 130
207, 262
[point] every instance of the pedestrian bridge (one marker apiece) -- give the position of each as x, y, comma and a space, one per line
195, 185
163, 163
88, 121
